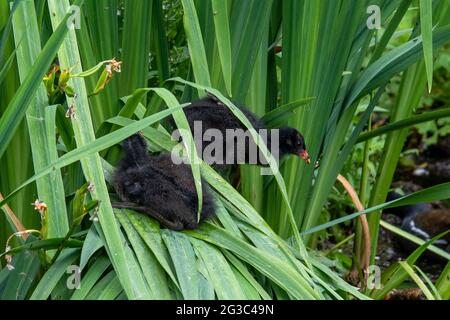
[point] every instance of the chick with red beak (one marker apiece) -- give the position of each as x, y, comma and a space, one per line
292, 142
213, 114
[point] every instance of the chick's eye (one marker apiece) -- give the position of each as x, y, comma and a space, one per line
133, 187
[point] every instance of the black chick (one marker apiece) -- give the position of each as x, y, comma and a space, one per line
156, 186
213, 114
423, 221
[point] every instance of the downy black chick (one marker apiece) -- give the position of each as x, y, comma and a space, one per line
213, 114
423, 221
156, 186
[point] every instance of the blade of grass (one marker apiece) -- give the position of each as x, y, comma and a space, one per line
21, 278
7, 30
247, 275
438, 192
41, 122
428, 282
55, 274
16, 109
111, 291
251, 180
443, 282
280, 272
280, 116
248, 26
46, 244
7, 66
405, 123
195, 43
101, 285
152, 270
69, 57
223, 38
414, 239
220, 274
91, 244
426, 24
395, 275
91, 277
391, 28
135, 45
183, 258
160, 41
149, 231
98, 40
417, 280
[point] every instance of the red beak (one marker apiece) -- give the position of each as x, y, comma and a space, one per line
305, 156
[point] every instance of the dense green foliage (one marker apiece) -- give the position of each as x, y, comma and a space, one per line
311, 64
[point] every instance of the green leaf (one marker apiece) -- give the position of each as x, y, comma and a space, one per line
135, 44
91, 277
220, 274
101, 286
195, 43
56, 273
397, 60
183, 258
395, 275
110, 291
417, 280
7, 66
405, 123
414, 239
18, 281
91, 244
6, 31
247, 275
430, 284
125, 265
131, 104
149, 231
152, 270
279, 271
435, 193
223, 38
16, 109
248, 23
279, 117
426, 23
160, 41
443, 282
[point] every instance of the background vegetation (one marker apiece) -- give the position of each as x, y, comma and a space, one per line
314, 65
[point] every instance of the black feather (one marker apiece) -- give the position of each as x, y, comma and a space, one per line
155, 185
